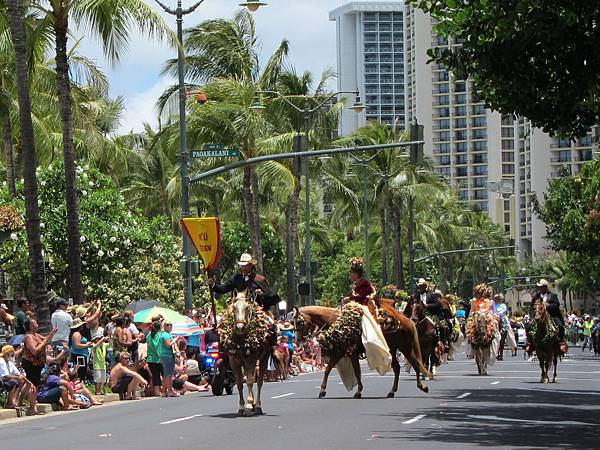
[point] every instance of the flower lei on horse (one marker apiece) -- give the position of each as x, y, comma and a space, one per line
475, 336
344, 335
253, 339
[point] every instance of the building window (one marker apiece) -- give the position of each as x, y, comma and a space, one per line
460, 99
461, 135
460, 147
480, 146
479, 159
508, 120
508, 132
460, 123
441, 40
508, 157
479, 122
443, 100
508, 144
479, 134
508, 169
444, 124
460, 111
444, 160
461, 172
461, 159
478, 110
460, 86
442, 112
443, 148
444, 135
443, 89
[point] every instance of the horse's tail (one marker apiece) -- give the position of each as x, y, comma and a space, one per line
417, 350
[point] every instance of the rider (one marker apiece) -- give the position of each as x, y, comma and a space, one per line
247, 279
362, 290
432, 301
483, 303
553, 308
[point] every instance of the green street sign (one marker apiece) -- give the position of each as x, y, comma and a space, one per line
215, 152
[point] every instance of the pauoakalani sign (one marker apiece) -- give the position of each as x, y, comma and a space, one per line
205, 234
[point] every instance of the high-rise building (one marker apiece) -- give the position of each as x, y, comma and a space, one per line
370, 58
497, 163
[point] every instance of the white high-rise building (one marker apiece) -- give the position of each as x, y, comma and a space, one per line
370, 58
496, 162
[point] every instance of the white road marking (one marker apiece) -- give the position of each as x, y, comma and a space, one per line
414, 419
466, 394
181, 419
506, 419
495, 382
284, 395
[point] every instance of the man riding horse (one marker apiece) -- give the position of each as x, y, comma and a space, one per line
552, 303
248, 279
441, 316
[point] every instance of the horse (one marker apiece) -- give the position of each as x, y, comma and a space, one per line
245, 352
480, 339
426, 331
401, 335
399, 332
545, 341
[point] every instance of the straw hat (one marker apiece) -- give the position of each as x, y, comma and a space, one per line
7, 350
77, 323
543, 282
246, 259
287, 325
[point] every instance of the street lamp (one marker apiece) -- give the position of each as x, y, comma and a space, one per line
301, 144
179, 12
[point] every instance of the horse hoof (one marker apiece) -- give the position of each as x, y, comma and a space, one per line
240, 413
258, 411
358, 395
424, 389
248, 412
431, 378
391, 395
322, 394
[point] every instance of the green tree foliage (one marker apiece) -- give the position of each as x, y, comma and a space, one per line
571, 211
533, 58
124, 255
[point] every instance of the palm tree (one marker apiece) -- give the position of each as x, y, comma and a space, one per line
223, 55
111, 21
32, 214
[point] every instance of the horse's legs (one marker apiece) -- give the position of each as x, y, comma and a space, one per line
330, 365
414, 362
555, 360
236, 367
396, 368
250, 375
542, 360
262, 369
356, 367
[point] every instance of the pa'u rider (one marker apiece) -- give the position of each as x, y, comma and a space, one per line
552, 303
248, 279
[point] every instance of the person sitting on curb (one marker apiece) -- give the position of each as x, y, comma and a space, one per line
55, 390
15, 384
123, 380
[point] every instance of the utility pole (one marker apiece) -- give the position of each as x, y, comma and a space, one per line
416, 158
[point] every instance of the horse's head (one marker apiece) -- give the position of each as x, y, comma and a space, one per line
418, 311
242, 311
481, 322
540, 310
300, 324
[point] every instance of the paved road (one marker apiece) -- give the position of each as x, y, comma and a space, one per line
507, 409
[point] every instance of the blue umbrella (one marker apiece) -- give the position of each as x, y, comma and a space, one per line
16, 340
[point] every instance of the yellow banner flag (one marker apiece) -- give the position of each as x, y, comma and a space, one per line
205, 234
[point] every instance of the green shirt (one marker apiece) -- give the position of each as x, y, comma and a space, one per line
153, 347
587, 327
164, 350
99, 356
20, 318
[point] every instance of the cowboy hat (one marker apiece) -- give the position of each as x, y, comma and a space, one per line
542, 282
287, 325
7, 350
422, 282
77, 323
246, 259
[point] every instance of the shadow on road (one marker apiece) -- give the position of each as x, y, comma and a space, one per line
533, 418
235, 416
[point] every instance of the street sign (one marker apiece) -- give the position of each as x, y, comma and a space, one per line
215, 151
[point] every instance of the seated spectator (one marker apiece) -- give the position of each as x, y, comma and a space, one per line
15, 384
57, 391
181, 383
125, 381
192, 367
81, 393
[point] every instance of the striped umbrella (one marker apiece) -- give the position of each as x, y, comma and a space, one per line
186, 327
146, 315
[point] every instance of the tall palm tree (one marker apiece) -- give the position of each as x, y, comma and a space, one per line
111, 21
32, 214
223, 54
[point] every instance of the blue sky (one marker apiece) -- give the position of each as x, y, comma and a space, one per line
305, 23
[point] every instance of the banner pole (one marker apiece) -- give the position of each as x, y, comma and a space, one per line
212, 301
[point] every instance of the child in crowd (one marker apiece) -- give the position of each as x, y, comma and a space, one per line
99, 347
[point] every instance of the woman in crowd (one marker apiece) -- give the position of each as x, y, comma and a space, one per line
58, 391
120, 339
80, 349
153, 356
34, 354
167, 359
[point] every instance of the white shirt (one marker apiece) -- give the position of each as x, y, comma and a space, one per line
8, 368
62, 320
424, 298
134, 330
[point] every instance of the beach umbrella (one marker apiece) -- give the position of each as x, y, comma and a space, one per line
140, 305
146, 315
186, 327
16, 340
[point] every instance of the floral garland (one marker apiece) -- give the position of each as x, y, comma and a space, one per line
253, 340
477, 338
10, 219
344, 335
551, 332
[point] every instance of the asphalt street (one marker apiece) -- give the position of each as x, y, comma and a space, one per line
507, 409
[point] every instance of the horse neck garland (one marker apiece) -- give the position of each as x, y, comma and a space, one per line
254, 337
475, 335
551, 330
344, 335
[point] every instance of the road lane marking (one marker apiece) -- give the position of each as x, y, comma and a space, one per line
506, 419
181, 419
466, 394
414, 419
495, 382
284, 395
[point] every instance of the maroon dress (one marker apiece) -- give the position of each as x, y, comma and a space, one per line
362, 289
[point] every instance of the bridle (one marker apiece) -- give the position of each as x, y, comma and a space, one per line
248, 299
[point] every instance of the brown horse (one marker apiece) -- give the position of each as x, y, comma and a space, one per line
545, 341
426, 332
399, 332
244, 359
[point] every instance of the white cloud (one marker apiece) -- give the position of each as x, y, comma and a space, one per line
139, 107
